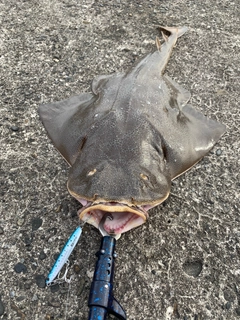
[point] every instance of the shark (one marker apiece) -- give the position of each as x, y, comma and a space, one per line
128, 138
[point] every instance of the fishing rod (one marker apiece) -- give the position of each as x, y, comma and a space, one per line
101, 301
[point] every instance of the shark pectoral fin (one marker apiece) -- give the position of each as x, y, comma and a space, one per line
198, 136
205, 131
182, 95
63, 122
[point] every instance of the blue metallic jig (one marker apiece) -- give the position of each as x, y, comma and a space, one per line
63, 256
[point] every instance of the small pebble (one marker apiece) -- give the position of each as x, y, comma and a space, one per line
90, 274
36, 223
27, 285
20, 267
54, 303
28, 241
229, 295
53, 231
20, 298
218, 152
35, 297
1, 230
14, 128
20, 221
56, 255
76, 269
228, 305
55, 288
40, 281
42, 255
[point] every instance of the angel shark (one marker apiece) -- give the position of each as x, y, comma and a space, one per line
128, 138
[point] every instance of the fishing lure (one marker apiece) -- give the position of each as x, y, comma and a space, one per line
63, 257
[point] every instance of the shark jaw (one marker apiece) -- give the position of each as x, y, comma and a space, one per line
124, 217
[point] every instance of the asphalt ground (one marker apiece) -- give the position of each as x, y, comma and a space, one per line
184, 262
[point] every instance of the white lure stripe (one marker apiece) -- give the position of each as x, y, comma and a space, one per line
64, 255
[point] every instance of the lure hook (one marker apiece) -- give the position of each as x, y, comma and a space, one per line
106, 216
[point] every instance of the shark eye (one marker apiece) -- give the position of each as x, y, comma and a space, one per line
144, 177
91, 173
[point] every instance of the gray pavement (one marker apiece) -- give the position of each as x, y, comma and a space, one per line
184, 263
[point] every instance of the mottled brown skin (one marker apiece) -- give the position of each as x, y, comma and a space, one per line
132, 135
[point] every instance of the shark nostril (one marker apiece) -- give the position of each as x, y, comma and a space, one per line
144, 176
91, 173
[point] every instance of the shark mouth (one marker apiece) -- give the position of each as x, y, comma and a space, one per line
124, 217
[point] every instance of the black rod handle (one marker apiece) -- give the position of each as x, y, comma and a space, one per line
97, 313
101, 300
